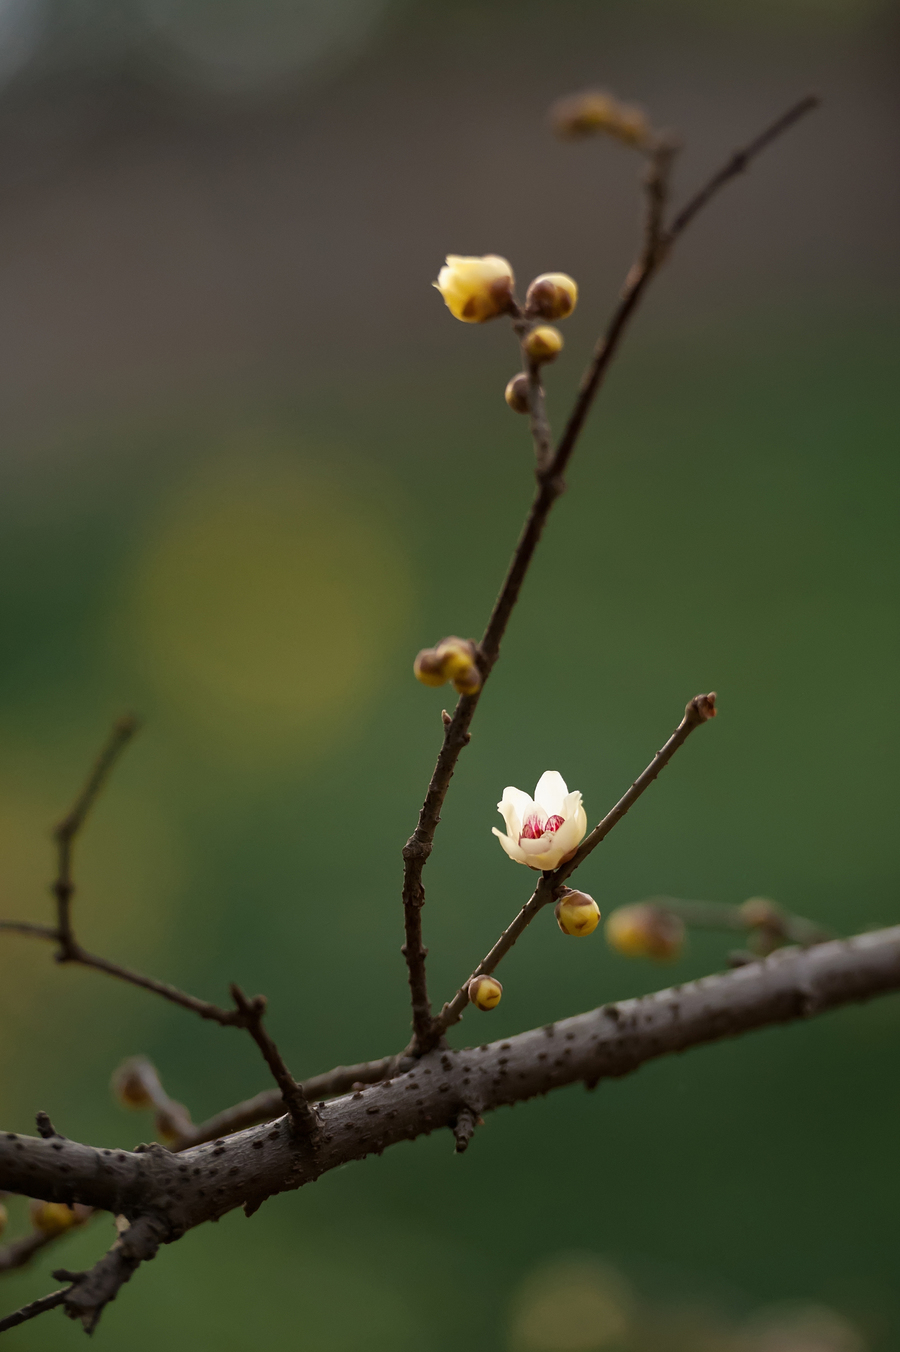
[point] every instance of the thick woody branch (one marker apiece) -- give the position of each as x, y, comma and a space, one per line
700, 709
656, 245
165, 1194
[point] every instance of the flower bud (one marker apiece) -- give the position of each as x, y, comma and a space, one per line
516, 393
759, 911
593, 112
645, 930
55, 1218
476, 289
543, 343
577, 914
553, 295
485, 992
429, 669
4, 1217
467, 680
134, 1081
456, 655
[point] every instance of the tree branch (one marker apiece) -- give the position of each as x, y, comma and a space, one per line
656, 245
165, 1194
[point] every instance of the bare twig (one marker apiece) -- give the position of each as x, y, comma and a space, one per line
36, 1307
18, 1253
656, 245
301, 1114
700, 709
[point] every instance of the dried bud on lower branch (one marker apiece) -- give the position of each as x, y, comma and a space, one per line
577, 914
594, 112
485, 992
645, 930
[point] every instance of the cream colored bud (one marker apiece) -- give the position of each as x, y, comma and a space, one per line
594, 112
133, 1083
476, 289
577, 914
553, 295
485, 992
55, 1218
429, 668
543, 344
4, 1218
759, 911
456, 656
645, 930
467, 681
516, 393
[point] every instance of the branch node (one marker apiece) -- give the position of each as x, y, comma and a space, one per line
464, 1128
47, 1130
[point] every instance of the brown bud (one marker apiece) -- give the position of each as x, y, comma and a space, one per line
577, 914
485, 992
136, 1083
593, 112
553, 295
645, 930
516, 393
429, 669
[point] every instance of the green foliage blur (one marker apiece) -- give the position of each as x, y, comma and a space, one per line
247, 544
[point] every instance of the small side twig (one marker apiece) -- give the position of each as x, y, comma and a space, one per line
252, 1011
36, 1307
464, 1128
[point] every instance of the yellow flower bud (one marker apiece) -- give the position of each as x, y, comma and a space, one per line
543, 343
553, 295
594, 111
645, 930
485, 992
577, 914
476, 289
457, 656
4, 1217
760, 911
429, 669
467, 681
55, 1218
516, 393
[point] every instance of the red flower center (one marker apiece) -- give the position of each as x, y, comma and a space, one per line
533, 828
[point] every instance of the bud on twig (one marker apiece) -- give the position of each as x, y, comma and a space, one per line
594, 112
429, 669
136, 1083
553, 295
543, 344
452, 660
577, 914
645, 930
485, 992
55, 1218
516, 393
476, 289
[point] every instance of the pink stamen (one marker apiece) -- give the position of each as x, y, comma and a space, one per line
554, 823
532, 829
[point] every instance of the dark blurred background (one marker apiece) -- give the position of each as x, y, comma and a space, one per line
250, 465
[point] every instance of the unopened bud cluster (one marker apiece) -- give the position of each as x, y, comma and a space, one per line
577, 914
453, 660
595, 112
485, 992
645, 930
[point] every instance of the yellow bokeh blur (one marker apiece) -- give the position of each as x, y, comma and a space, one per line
572, 1304
268, 604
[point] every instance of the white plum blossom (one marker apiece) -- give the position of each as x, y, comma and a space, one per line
543, 831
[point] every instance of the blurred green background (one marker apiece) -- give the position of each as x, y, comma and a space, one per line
250, 466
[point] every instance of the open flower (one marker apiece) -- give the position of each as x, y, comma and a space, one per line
476, 289
543, 831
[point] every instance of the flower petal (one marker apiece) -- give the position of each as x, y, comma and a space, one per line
551, 793
510, 846
515, 807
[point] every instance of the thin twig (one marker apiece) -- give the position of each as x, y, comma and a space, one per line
67, 830
655, 247
700, 709
18, 1253
302, 1115
36, 1307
